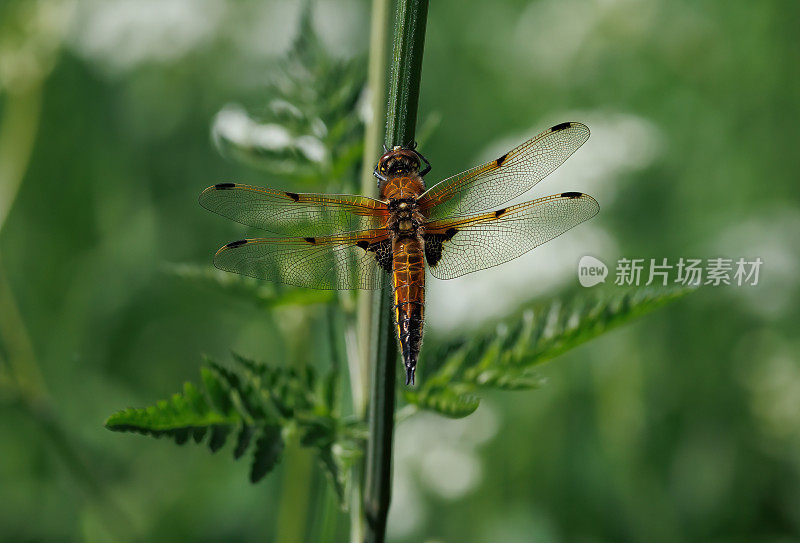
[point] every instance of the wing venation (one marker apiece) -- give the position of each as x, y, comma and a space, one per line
292, 213
345, 261
498, 181
461, 245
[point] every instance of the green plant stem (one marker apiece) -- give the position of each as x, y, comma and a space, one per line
293, 511
401, 118
368, 300
406, 64
294, 508
378, 484
376, 83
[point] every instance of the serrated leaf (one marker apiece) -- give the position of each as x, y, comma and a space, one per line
509, 379
243, 394
198, 434
269, 447
255, 400
178, 418
219, 434
310, 127
445, 401
504, 356
216, 392
243, 440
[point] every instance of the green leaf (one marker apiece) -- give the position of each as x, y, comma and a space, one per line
259, 404
179, 417
243, 440
509, 378
505, 357
269, 447
445, 400
310, 129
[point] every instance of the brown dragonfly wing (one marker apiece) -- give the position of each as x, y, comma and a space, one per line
498, 181
461, 245
292, 213
356, 260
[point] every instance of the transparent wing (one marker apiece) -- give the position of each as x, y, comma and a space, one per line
496, 182
346, 261
461, 245
291, 213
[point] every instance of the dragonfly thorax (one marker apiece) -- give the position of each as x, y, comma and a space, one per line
404, 216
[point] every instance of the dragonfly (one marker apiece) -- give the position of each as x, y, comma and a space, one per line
456, 227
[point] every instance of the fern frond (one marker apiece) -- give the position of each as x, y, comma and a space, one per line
505, 356
261, 405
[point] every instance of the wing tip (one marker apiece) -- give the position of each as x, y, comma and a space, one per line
570, 124
589, 198
214, 188
234, 244
222, 251
574, 195
231, 245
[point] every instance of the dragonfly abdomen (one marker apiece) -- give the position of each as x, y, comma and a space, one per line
408, 281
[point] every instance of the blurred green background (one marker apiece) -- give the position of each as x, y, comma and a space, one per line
682, 427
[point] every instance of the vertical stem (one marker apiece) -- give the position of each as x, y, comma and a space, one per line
294, 507
376, 83
409, 42
401, 119
367, 301
378, 487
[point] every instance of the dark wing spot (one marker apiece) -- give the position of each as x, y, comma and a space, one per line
235, 244
499, 212
224, 186
364, 244
499, 161
294, 196
383, 254
433, 248
312, 241
561, 126
450, 233
571, 194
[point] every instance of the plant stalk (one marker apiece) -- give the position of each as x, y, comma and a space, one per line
401, 119
367, 300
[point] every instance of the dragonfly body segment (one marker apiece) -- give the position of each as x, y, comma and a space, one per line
400, 185
458, 226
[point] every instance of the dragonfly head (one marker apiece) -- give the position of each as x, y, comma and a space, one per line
397, 162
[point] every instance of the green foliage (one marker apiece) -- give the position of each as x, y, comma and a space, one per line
310, 128
263, 406
679, 434
505, 357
